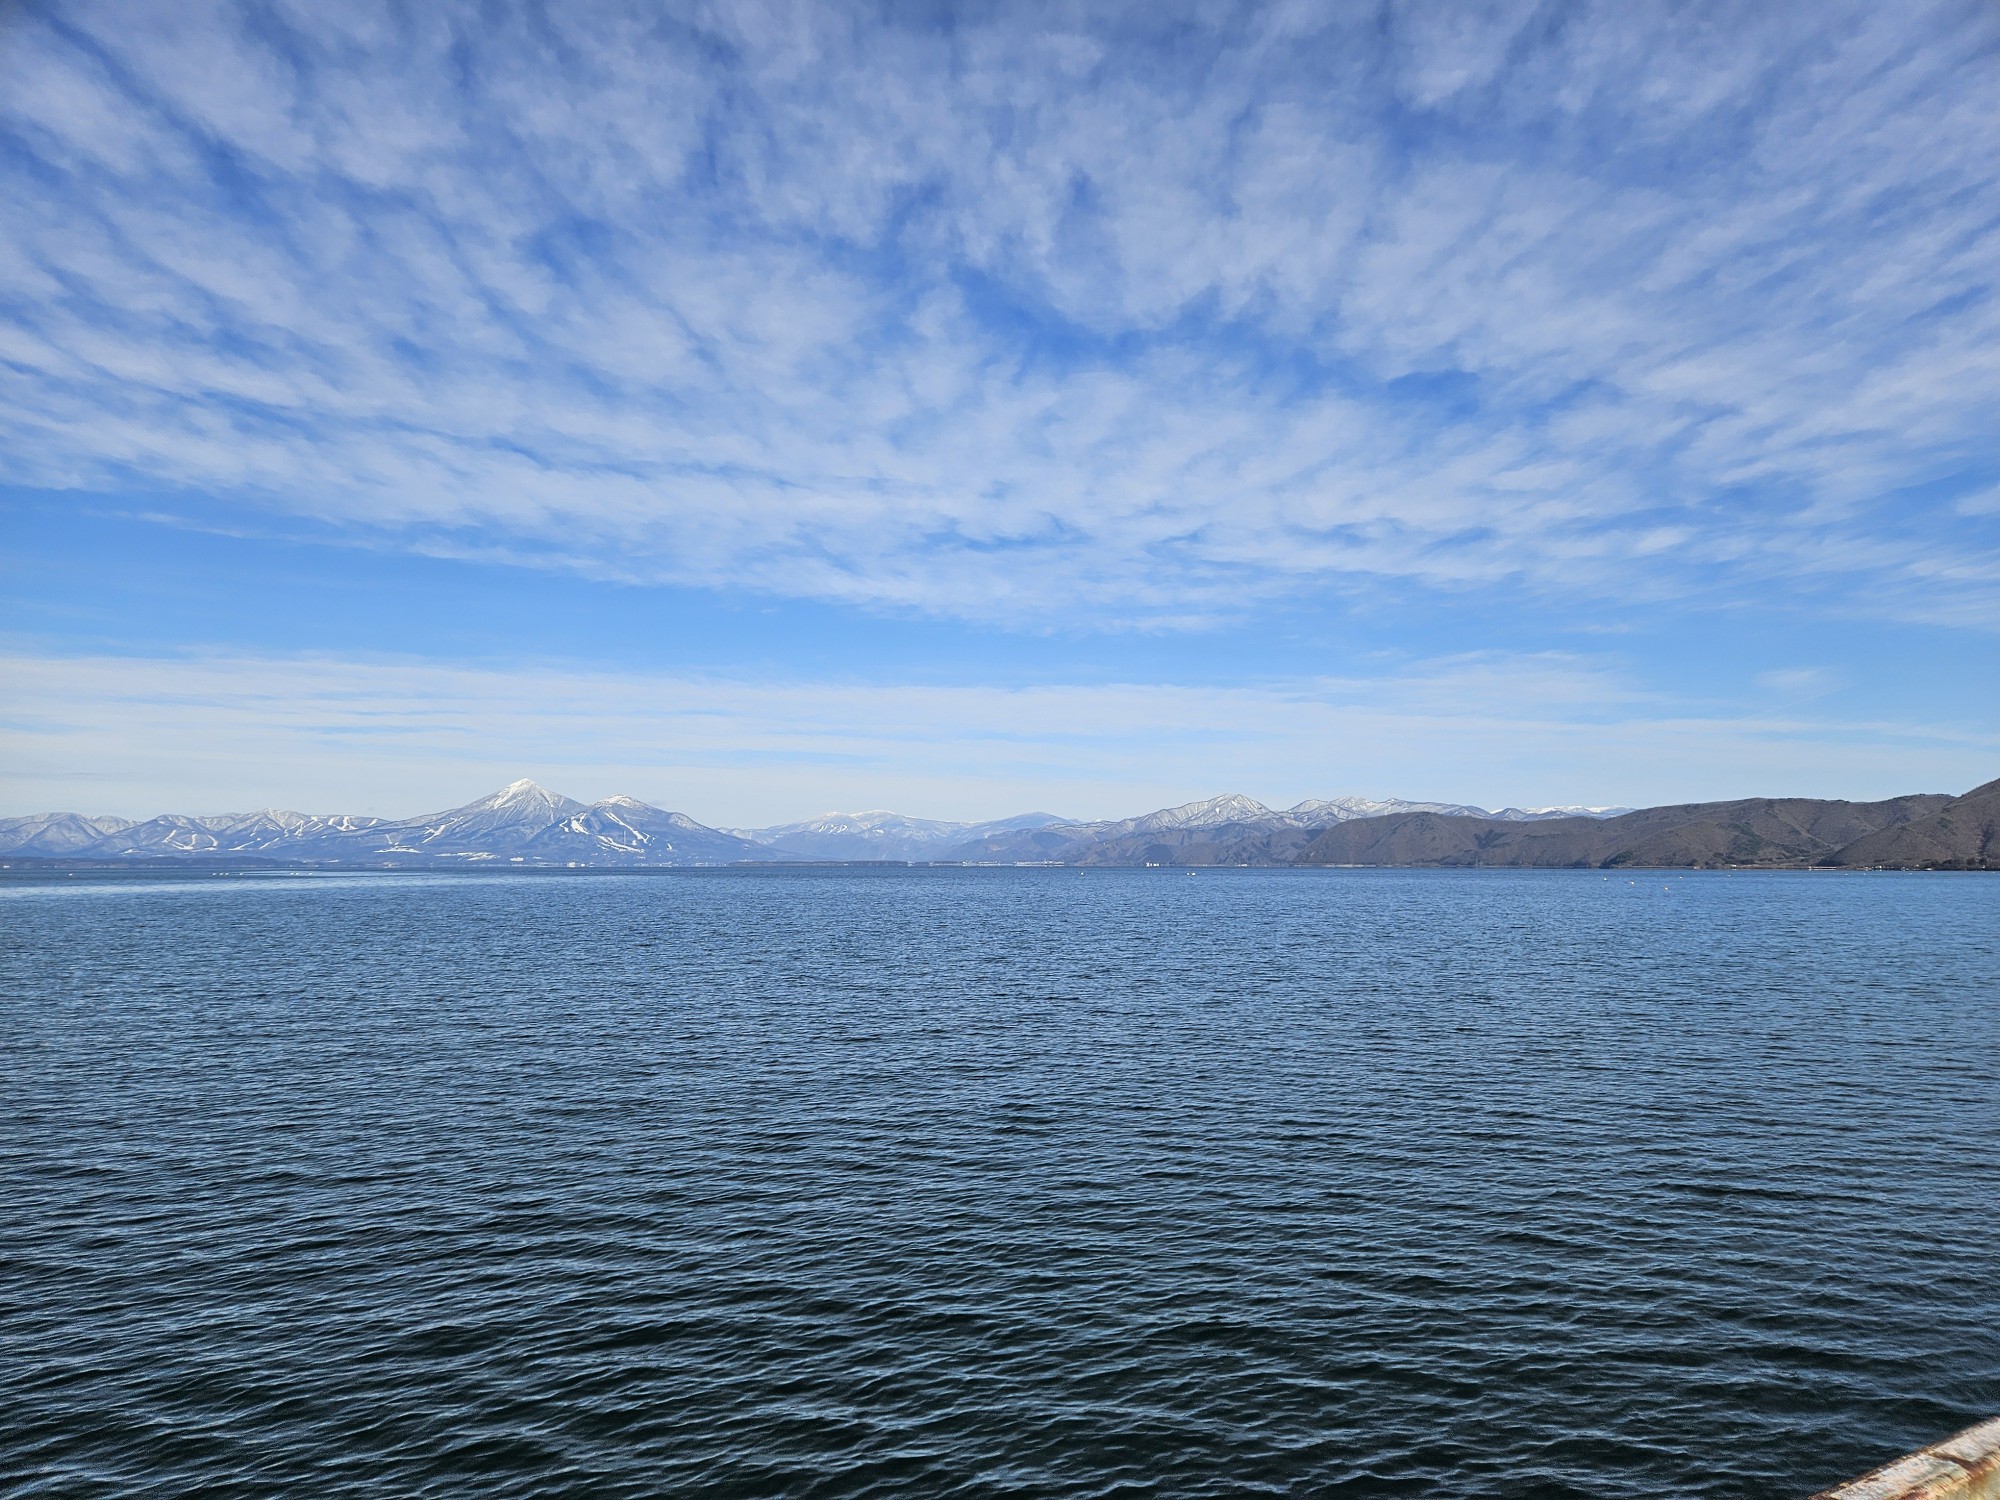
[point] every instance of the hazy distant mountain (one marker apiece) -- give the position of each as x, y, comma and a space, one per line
55, 833
1539, 814
882, 835
1234, 819
1124, 840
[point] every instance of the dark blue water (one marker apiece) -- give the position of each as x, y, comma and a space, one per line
985, 1182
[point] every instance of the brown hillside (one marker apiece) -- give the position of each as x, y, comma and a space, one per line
1754, 831
1964, 834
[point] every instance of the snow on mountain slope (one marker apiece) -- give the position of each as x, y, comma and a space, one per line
1321, 811
1236, 809
170, 833
529, 824
54, 834
624, 830
230, 833
497, 825
1211, 813
1536, 814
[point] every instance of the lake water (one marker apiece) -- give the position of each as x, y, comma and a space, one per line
995, 1182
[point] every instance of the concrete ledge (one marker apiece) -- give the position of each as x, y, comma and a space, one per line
1965, 1467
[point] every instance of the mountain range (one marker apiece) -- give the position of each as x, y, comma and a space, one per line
525, 825
521, 824
892, 836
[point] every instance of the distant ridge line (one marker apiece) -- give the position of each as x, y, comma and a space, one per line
524, 825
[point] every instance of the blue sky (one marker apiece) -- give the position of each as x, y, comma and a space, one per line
764, 409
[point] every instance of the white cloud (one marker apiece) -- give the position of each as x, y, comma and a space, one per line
1009, 317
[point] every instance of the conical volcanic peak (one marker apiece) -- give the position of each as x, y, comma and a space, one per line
525, 823
494, 823
528, 798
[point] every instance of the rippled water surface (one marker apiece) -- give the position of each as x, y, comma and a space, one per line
995, 1182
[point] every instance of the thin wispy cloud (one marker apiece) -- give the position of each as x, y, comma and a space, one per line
395, 736
1135, 315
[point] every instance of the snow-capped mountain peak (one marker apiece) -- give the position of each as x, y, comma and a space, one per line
526, 794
